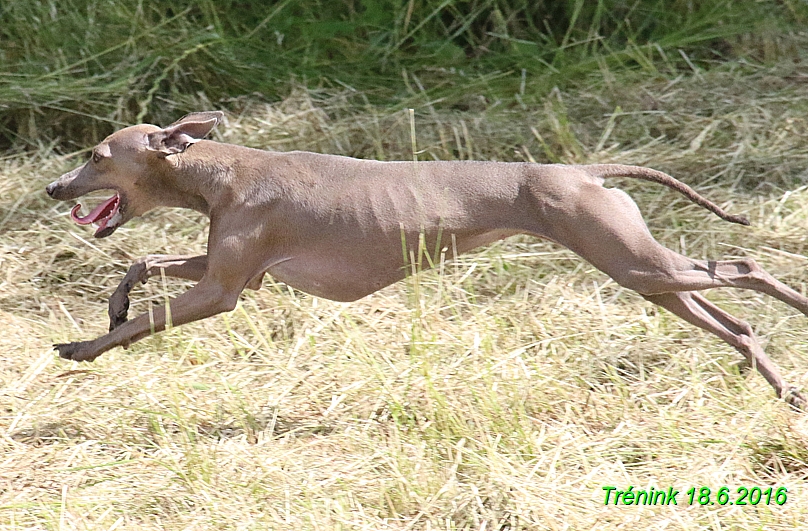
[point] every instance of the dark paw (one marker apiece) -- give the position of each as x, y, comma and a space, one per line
118, 312
795, 399
77, 351
117, 320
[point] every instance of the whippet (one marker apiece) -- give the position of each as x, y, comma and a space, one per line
342, 228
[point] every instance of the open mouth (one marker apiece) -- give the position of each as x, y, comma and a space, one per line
105, 216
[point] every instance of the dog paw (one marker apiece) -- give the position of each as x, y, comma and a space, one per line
796, 400
117, 319
77, 351
118, 310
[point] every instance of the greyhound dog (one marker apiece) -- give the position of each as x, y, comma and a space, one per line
342, 228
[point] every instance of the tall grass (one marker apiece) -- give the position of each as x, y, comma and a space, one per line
73, 70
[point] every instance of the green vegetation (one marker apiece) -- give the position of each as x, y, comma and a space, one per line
501, 391
78, 68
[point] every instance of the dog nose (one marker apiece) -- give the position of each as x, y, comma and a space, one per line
50, 188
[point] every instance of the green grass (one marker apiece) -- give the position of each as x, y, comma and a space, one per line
71, 71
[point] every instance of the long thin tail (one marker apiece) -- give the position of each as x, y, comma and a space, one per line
647, 174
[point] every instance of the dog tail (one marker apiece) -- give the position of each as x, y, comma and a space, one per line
647, 174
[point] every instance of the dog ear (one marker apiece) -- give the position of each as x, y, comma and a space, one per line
188, 130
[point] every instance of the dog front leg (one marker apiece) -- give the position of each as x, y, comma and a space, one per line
205, 299
186, 267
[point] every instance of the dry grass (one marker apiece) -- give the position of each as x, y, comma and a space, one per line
502, 392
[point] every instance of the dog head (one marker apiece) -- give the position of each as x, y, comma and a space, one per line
128, 162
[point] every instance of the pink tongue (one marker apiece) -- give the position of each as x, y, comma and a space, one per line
102, 210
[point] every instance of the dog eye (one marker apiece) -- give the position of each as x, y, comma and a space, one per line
97, 157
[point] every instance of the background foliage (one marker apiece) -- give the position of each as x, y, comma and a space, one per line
76, 69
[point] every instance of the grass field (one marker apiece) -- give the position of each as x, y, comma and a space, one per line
502, 391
